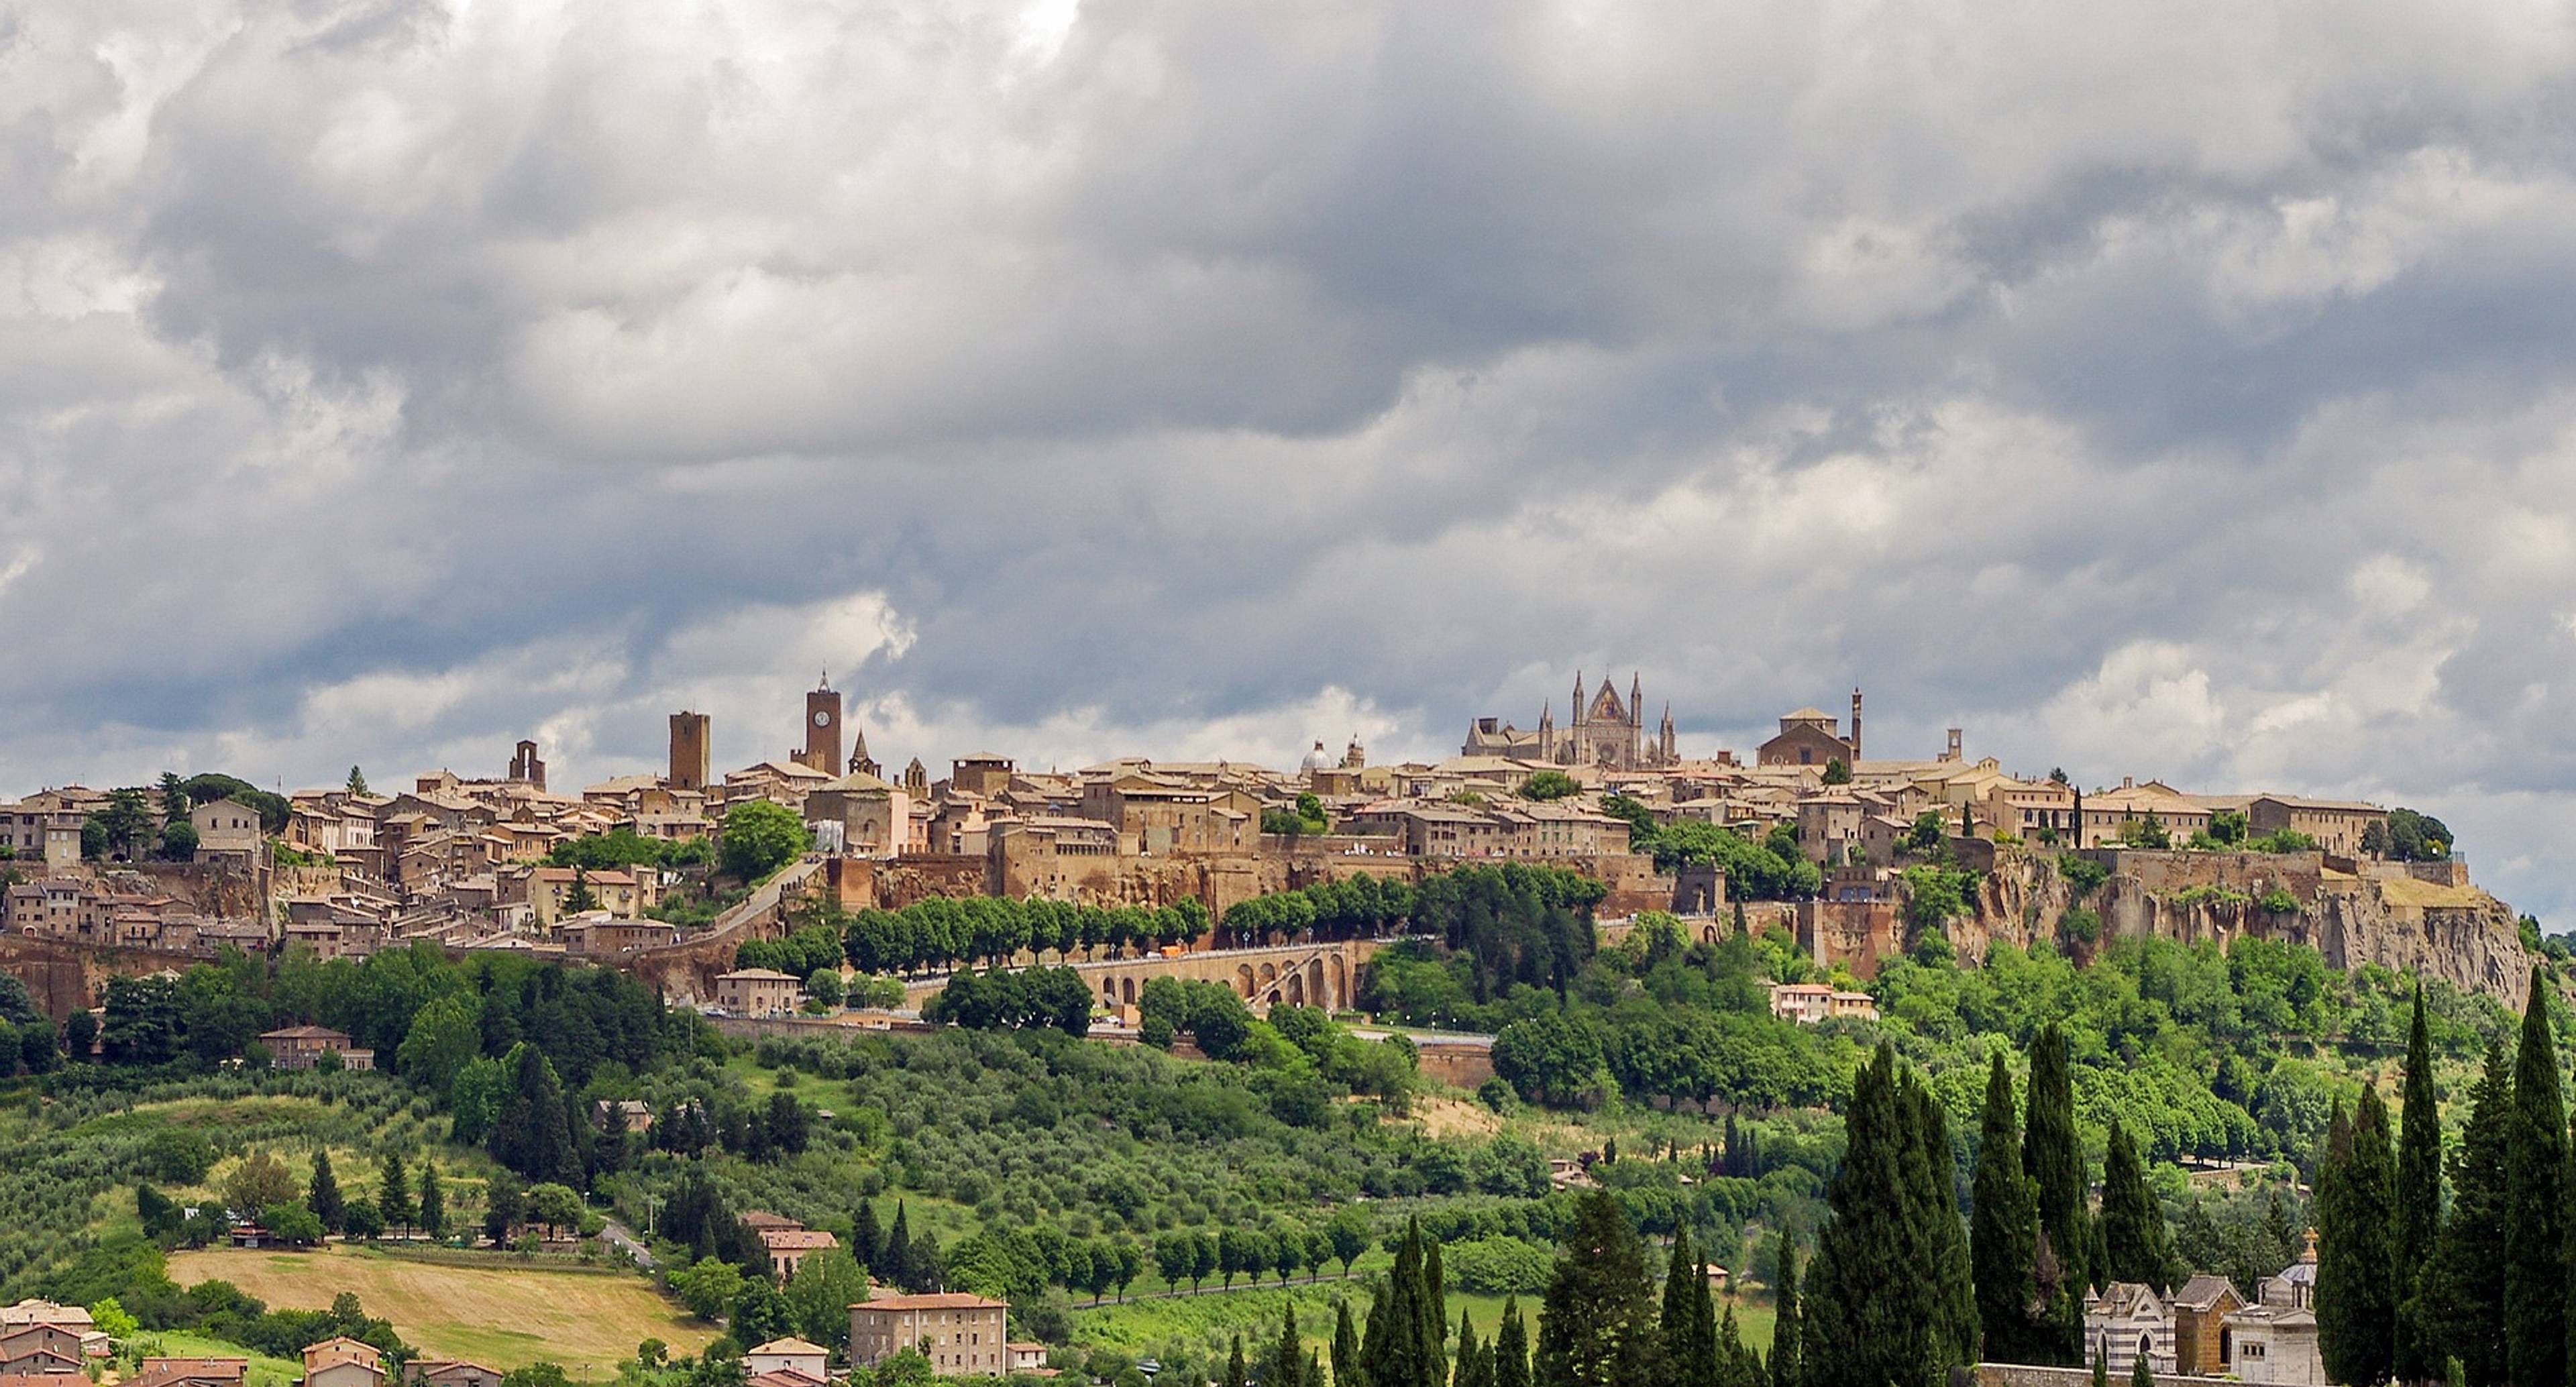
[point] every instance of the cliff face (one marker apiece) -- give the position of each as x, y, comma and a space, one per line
2428, 921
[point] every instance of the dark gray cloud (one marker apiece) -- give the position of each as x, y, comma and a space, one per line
2155, 393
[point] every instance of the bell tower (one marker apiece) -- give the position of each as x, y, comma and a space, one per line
823, 729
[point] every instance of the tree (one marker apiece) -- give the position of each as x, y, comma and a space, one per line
125, 823
444, 1037
759, 837
531, 1133
258, 1182
178, 842
291, 1224
431, 1209
708, 1287
894, 1264
820, 1294
1597, 1326
1346, 1345
1547, 785
2416, 1209
504, 1204
1348, 1232
80, 1033
393, 1193
1885, 1297
579, 897
1689, 1321
1788, 1335
2467, 1280
357, 783
1235, 1373
557, 1207
2356, 1284
1407, 1325
866, 1242
2003, 1232
37, 1047
2135, 1244
2535, 1260
1511, 1347
1288, 1354
1836, 772
2055, 1165
323, 1195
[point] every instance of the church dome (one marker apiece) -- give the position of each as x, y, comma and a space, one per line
1316, 760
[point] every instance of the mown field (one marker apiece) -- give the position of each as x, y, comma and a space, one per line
499, 1316
1211, 1320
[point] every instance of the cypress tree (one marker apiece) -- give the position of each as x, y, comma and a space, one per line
2466, 1293
1346, 1347
1934, 1227
2055, 1166
433, 1200
1887, 1301
2141, 1374
1475, 1367
2134, 1240
1689, 1330
1787, 1334
2416, 1211
1235, 1376
2356, 1283
1737, 1365
1597, 1326
866, 1243
1287, 1355
1432, 1323
393, 1193
894, 1262
2535, 1258
2003, 1230
324, 1197
1511, 1347
2101, 1368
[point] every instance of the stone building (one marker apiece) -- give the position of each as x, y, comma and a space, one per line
1810, 737
1606, 733
962, 1335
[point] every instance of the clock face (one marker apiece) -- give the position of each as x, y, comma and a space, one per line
822, 718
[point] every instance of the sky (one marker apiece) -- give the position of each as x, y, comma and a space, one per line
2182, 390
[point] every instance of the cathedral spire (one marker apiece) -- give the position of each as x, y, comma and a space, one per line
1636, 701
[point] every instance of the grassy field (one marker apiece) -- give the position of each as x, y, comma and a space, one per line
1140, 1326
499, 1316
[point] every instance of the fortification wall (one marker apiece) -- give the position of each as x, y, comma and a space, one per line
64, 978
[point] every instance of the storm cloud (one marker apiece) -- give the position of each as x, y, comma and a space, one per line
2179, 390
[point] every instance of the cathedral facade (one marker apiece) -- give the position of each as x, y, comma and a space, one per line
1606, 733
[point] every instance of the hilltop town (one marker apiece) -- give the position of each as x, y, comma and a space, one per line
1853, 854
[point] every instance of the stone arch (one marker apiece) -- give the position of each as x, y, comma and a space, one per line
1269, 979
1127, 986
2147, 1350
1314, 971
1109, 992
1243, 980
1337, 980
1294, 990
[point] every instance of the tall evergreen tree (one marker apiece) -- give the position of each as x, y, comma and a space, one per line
1407, 1325
1947, 1282
1346, 1347
2416, 1211
1689, 1322
2135, 1242
1597, 1326
894, 1260
1887, 1301
1511, 1347
1475, 1366
2054, 1163
2356, 1282
433, 1200
1235, 1374
323, 1196
2535, 1254
2467, 1280
393, 1193
1737, 1364
2003, 1230
1289, 1354
866, 1243
1787, 1330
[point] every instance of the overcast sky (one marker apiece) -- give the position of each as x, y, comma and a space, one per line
2181, 390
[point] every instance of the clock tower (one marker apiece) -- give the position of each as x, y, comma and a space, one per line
823, 730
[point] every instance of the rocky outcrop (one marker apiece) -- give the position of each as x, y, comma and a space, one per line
2429, 921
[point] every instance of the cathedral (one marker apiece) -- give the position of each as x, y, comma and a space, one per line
1606, 733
